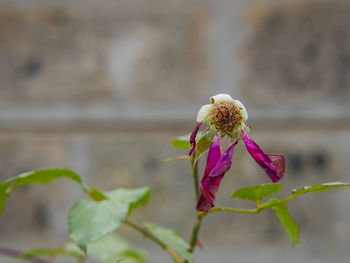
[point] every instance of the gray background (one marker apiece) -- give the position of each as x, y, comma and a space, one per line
101, 87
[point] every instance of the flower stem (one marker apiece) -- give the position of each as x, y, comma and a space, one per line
195, 231
197, 224
148, 234
249, 211
195, 179
201, 215
234, 210
16, 254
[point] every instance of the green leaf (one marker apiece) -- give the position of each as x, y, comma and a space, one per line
132, 255
133, 197
89, 220
38, 176
257, 192
68, 249
204, 142
288, 222
45, 176
112, 248
305, 189
182, 142
171, 239
319, 187
108, 249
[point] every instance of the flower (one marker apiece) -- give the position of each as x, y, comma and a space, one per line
226, 114
228, 118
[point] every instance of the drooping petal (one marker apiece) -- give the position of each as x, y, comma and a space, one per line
209, 187
194, 133
206, 199
193, 137
210, 184
192, 149
267, 162
224, 164
214, 154
220, 98
204, 204
280, 163
204, 113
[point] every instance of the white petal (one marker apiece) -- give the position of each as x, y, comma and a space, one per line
244, 112
220, 98
204, 112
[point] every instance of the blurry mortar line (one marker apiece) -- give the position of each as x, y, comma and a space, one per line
160, 125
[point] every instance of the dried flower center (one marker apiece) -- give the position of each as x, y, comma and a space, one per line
226, 116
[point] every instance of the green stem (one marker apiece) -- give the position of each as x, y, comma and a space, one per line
195, 231
288, 198
198, 222
195, 179
17, 254
234, 210
248, 211
145, 232
148, 234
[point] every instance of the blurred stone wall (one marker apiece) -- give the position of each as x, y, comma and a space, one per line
101, 87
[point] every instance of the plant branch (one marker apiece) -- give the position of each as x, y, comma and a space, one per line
195, 231
148, 234
258, 208
234, 210
195, 179
198, 222
17, 254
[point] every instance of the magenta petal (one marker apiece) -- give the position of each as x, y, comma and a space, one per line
192, 149
224, 164
268, 162
194, 133
280, 163
204, 204
214, 154
210, 185
193, 137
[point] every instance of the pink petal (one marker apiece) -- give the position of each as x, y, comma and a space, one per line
204, 204
210, 183
224, 164
214, 154
280, 163
192, 149
273, 164
193, 137
209, 187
